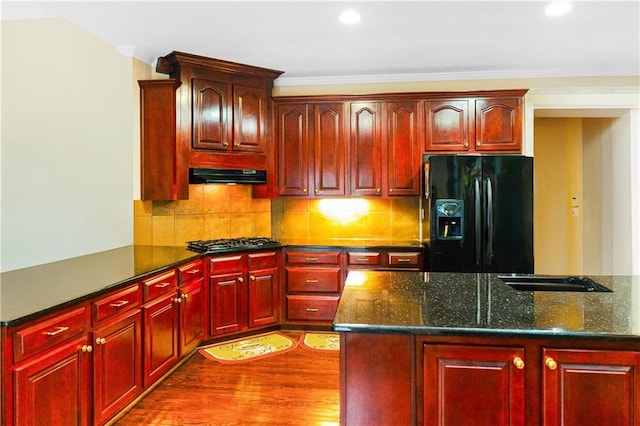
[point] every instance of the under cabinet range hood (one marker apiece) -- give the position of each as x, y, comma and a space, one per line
244, 176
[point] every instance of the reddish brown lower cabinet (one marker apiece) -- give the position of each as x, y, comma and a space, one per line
263, 297
160, 337
376, 379
192, 322
482, 385
465, 380
244, 291
117, 365
53, 389
582, 387
313, 282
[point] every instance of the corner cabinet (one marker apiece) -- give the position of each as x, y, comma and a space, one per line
209, 113
244, 291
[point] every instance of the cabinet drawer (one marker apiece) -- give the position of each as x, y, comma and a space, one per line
364, 258
159, 285
312, 279
262, 260
225, 263
190, 271
48, 333
116, 303
310, 257
319, 308
403, 260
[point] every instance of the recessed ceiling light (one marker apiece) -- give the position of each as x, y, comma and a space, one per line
349, 17
558, 8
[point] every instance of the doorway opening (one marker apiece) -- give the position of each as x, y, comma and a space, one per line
582, 192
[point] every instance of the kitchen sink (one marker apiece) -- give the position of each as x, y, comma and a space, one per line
553, 283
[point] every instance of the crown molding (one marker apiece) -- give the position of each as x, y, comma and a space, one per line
284, 81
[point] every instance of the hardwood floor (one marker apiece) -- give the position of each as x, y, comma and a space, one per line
300, 387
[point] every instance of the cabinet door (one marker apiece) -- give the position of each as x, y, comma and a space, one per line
479, 385
293, 152
211, 115
329, 149
161, 166
449, 126
160, 337
499, 124
263, 297
53, 389
192, 315
403, 151
366, 149
249, 118
591, 387
117, 365
228, 303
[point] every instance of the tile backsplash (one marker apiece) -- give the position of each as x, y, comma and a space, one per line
212, 211
228, 211
347, 218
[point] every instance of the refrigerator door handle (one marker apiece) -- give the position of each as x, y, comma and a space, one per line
478, 213
489, 192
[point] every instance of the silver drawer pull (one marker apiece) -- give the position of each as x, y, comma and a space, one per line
312, 309
312, 281
311, 259
58, 330
162, 285
362, 259
193, 271
404, 260
119, 303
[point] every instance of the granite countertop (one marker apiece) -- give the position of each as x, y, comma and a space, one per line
29, 292
34, 291
441, 303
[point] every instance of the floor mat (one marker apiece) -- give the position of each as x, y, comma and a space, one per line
320, 341
249, 348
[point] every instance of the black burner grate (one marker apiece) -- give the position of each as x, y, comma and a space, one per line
222, 244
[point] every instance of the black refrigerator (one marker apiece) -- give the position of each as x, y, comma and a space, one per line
478, 213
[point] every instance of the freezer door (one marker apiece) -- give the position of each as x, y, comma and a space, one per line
454, 181
507, 186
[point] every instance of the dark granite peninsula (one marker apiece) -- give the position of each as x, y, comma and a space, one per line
455, 348
38, 290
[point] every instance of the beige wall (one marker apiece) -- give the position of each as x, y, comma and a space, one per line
67, 135
557, 178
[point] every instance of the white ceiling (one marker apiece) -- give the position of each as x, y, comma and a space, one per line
395, 40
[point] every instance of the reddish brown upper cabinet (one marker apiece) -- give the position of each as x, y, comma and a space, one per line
365, 149
449, 126
160, 177
403, 153
488, 122
591, 387
312, 148
222, 118
498, 124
